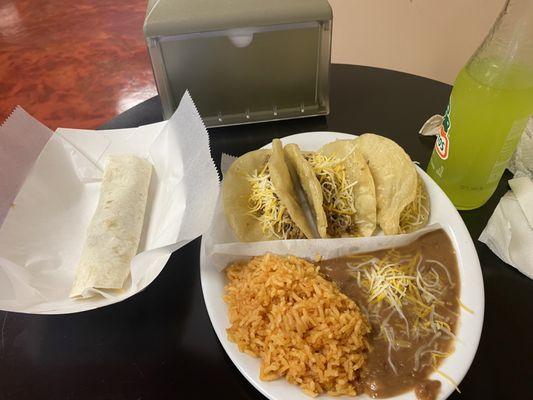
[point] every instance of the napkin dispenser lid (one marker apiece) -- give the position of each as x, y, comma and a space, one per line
174, 17
243, 61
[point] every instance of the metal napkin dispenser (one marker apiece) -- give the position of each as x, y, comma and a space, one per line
243, 61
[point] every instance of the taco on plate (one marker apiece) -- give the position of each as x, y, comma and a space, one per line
339, 188
259, 198
402, 199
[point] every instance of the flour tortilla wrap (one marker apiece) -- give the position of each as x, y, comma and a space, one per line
115, 230
395, 179
348, 161
237, 191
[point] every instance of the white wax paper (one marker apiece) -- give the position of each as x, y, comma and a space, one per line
43, 233
18, 152
220, 255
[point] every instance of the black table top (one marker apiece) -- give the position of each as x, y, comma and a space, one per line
160, 343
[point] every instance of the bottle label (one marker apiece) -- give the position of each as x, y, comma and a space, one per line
442, 144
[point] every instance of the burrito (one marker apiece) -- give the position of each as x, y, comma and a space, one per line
115, 230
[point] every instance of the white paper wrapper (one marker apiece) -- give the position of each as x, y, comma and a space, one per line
220, 255
18, 153
43, 233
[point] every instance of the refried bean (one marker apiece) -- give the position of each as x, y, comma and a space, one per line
413, 319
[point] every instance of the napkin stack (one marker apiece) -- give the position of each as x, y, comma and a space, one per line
509, 232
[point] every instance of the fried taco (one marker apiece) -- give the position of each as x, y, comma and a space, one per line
259, 198
339, 188
402, 198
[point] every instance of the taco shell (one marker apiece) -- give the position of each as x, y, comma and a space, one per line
357, 171
237, 190
357, 174
281, 178
395, 178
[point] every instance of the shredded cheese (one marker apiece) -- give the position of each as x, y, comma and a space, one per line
448, 378
467, 309
411, 216
398, 283
338, 193
266, 207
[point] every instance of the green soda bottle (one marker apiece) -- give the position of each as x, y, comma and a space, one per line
490, 104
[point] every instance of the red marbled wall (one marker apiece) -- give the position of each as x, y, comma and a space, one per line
73, 64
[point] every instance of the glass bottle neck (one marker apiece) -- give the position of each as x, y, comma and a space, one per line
518, 8
506, 56
512, 34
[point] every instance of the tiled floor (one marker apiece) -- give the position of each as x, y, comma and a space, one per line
73, 64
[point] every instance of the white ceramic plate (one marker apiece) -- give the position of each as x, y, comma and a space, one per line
472, 294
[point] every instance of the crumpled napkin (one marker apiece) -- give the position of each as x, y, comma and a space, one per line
521, 163
509, 232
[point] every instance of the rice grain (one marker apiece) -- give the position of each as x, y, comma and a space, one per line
299, 324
